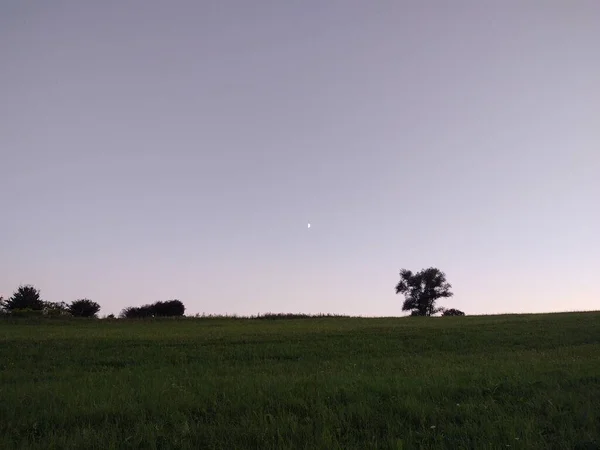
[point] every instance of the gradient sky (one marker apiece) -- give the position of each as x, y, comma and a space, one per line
177, 149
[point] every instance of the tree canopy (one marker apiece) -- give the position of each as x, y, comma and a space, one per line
83, 308
421, 290
25, 297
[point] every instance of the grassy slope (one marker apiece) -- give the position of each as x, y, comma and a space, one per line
530, 382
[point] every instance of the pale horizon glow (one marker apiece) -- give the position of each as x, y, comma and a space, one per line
172, 150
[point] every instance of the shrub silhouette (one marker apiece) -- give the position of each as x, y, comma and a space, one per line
56, 309
453, 312
84, 308
136, 312
25, 297
27, 312
291, 316
171, 308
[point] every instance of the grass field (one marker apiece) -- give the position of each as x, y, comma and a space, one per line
496, 382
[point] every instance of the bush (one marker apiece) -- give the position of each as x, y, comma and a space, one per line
134, 312
56, 309
171, 308
291, 316
84, 308
453, 312
27, 312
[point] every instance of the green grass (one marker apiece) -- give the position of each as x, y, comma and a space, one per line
496, 382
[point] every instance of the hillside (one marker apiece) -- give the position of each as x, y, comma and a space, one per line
518, 381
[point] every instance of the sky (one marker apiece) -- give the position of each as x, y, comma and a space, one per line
154, 150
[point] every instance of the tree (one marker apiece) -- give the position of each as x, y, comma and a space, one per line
422, 289
25, 297
84, 308
453, 312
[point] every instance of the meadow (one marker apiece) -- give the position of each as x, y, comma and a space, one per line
475, 382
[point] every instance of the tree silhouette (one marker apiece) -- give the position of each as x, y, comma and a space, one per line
422, 289
84, 308
25, 297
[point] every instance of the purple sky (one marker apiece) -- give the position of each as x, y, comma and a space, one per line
178, 149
